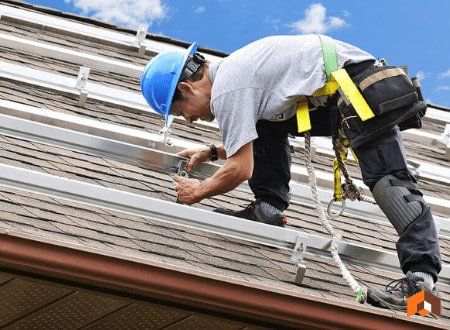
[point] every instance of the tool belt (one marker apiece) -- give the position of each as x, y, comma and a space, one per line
369, 103
393, 97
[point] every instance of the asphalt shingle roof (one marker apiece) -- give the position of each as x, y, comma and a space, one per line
131, 235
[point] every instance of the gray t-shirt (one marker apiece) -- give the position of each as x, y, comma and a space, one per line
265, 79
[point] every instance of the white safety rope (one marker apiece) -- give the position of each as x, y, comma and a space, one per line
360, 291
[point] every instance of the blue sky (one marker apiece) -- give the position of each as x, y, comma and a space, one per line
414, 32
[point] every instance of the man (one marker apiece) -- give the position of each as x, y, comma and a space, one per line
253, 93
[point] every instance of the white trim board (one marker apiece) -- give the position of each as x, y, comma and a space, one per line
67, 84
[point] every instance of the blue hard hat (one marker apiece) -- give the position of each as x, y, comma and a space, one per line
160, 78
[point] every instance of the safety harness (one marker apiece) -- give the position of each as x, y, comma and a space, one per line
337, 81
384, 91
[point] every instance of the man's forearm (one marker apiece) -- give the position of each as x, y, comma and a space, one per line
236, 170
224, 180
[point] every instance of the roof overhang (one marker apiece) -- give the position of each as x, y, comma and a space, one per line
192, 288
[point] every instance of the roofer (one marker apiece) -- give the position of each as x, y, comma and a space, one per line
255, 93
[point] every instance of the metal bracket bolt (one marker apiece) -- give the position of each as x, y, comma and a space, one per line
165, 133
447, 141
83, 76
297, 258
140, 37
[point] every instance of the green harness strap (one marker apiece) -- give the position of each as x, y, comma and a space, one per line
330, 58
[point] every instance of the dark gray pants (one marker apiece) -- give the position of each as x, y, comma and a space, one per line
417, 247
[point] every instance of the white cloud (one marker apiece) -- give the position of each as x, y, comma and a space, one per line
346, 13
199, 10
445, 74
275, 23
420, 75
316, 21
129, 13
443, 88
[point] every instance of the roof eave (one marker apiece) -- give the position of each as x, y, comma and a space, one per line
156, 280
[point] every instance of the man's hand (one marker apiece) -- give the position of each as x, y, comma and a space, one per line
196, 156
188, 190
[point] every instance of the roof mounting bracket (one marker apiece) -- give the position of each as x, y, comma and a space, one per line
297, 258
447, 141
140, 38
81, 83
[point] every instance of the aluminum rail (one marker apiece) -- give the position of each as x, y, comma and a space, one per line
325, 180
187, 216
81, 29
438, 173
137, 102
120, 67
157, 160
72, 56
68, 84
137, 147
125, 39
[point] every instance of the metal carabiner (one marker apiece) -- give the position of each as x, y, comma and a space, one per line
332, 214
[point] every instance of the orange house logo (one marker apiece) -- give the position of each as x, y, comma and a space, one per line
424, 303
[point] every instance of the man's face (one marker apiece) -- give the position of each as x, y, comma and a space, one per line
194, 106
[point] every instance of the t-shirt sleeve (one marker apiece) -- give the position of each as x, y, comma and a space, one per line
236, 113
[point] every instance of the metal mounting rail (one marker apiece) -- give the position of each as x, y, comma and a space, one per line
137, 103
70, 55
173, 213
139, 148
68, 84
116, 66
421, 169
81, 29
157, 160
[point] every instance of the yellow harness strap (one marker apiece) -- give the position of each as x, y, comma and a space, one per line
303, 120
341, 82
337, 81
338, 193
329, 89
351, 94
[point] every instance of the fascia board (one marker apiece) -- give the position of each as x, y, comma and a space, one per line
128, 274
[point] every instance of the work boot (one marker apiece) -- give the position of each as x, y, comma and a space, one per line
397, 292
255, 212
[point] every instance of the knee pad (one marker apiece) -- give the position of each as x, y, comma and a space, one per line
399, 200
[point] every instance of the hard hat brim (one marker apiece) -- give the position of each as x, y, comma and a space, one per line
189, 52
